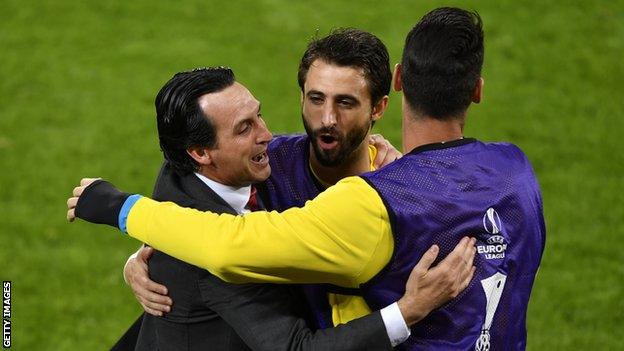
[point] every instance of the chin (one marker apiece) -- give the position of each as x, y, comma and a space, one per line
263, 175
331, 159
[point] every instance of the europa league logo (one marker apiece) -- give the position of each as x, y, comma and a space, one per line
491, 221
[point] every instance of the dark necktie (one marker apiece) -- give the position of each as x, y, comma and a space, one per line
252, 203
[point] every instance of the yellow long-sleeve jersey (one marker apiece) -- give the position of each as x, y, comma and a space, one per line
342, 237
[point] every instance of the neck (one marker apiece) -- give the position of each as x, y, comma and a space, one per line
421, 130
356, 163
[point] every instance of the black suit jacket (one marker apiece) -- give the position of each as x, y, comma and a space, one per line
210, 314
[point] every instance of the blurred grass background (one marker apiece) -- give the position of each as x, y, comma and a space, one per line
77, 84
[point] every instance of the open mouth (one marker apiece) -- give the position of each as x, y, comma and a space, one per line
327, 141
261, 158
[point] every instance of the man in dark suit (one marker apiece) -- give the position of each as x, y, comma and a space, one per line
214, 140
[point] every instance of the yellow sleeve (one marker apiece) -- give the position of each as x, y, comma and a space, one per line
342, 237
372, 153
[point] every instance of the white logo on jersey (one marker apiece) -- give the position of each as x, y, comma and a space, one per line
493, 224
496, 245
493, 289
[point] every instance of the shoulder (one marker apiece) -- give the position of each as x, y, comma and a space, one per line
285, 150
510, 154
507, 148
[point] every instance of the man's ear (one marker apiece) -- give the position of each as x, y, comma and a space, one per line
397, 83
200, 154
477, 94
380, 108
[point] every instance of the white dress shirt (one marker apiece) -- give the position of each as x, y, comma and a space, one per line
236, 197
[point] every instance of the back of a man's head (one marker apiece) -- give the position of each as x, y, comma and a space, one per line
441, 63
181, 121
350, 47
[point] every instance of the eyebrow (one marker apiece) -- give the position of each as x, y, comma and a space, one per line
314, 92
349, 97
246, 119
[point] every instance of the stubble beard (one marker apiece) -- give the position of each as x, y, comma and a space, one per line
347, 144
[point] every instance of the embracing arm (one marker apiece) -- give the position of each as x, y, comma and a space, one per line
342, 237
265, 315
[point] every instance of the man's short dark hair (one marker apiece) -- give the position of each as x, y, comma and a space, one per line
350, 47
181, 121
442, 62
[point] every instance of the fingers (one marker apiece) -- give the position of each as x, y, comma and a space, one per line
152, 296
149, 293
71, 215
468, 270
78, 191
85, 182
468, 278
152, 307
71, 208
427, 259
393, 155
159, 289
456, 270
454, 259
375, 138
143, 285
382, 149
380, 158
155, 301
386, 153
151, 311
145, 253
469, 254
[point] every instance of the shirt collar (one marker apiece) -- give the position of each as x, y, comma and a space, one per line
237, 197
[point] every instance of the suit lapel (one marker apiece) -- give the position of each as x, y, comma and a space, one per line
188, 191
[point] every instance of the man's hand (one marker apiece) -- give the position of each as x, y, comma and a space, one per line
72, 201
429, 288
151, 295
386, 153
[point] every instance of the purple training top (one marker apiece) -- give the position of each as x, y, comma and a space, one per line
291, 184
435, 195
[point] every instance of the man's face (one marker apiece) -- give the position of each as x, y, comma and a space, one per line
336, 109
240, 156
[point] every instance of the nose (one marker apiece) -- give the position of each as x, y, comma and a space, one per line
264, 135
329, 116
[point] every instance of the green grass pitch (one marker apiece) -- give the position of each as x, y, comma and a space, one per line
77, 84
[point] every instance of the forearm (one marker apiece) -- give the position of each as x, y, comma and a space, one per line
343, 237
